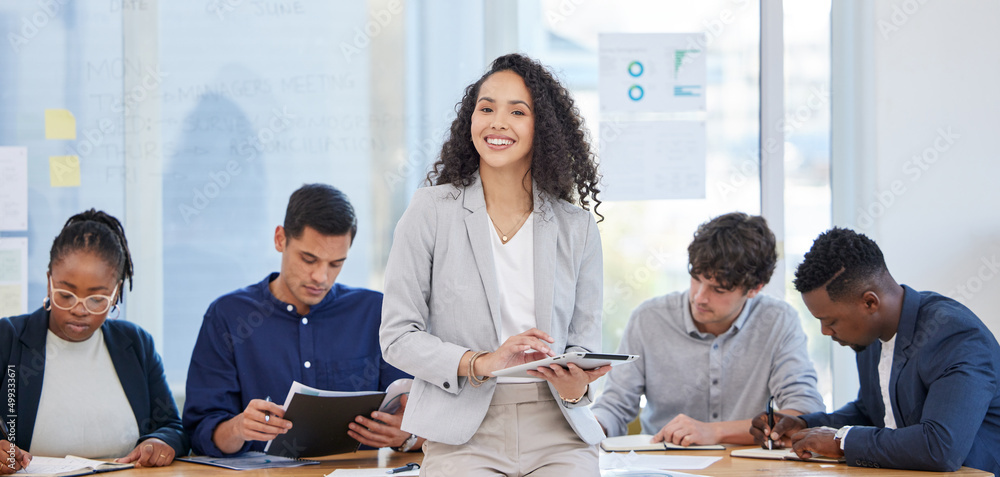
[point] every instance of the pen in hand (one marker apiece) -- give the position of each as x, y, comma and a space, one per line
770, 420
267, 415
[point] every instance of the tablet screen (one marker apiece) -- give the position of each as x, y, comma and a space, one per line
579, 358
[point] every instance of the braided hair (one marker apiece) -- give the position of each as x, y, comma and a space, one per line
96, 232
562, 163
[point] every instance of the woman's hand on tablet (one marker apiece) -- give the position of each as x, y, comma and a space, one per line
532, 345
571, 381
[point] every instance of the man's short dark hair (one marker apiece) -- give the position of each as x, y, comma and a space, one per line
322, 208
736, 250
843, 260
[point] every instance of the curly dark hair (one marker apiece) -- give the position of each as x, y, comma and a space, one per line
562, 163
843, 260
736, 250
97, 232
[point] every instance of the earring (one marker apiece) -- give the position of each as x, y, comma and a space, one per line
115, 309
46, 305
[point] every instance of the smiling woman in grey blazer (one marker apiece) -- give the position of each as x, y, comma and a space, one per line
498, 264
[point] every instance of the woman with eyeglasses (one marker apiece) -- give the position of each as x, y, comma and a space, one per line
81, 384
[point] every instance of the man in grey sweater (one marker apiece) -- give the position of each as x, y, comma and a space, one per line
711, 356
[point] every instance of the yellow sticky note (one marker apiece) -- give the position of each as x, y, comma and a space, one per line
64, 171
59, 124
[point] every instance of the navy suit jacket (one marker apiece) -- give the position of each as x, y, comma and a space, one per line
944, 391
22, 344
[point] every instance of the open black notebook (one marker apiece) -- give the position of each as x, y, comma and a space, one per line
320, 418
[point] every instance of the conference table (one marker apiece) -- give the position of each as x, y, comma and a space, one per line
726, 467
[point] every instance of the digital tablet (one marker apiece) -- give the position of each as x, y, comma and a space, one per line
579, 358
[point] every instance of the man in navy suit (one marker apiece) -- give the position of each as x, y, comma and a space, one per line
928, 368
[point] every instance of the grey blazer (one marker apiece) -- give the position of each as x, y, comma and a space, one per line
441, 300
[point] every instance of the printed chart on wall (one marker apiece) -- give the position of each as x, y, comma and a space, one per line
652, 73
13, 276
650, 84
13, 218
648, 160
13, 189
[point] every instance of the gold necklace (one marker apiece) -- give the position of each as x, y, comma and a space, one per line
503, 236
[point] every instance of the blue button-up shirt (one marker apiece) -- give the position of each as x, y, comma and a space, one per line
252, 346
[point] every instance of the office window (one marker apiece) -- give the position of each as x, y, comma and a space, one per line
645, 242
237, 105
353, 94
63, 56
256, 101
807, 157
220, 110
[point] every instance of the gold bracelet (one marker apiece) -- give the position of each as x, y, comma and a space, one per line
472, 369
473, 379
468, 373
574, 401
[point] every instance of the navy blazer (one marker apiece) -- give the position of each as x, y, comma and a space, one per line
22, 344
943, 387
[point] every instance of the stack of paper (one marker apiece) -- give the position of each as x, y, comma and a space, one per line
633, 461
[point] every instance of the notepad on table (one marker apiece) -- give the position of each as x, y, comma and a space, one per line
780, 454
68, 466
641, 442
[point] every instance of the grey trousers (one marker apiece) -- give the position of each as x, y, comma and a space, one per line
524, 434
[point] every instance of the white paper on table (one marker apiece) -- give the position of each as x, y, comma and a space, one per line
13, 188
633, 461
381, 471
647, 473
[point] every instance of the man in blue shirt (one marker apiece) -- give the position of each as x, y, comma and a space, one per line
930, 395
295, 325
